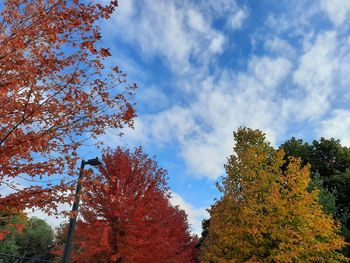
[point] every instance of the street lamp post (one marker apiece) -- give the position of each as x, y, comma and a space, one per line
73, 219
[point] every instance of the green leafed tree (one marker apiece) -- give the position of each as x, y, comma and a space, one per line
266, 213
12, 222
36, 240
325, 197
330, 169
25, 238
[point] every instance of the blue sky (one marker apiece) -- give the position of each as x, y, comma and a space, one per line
204, 68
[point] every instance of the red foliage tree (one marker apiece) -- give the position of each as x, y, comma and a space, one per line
126, 215
54, 91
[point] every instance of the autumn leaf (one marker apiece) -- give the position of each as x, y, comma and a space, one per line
105, 52
266, 214
49, 99
128, 215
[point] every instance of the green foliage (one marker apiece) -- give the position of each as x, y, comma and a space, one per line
329, 157
36, 240
297, 148
26, 238
10, 221
330, 163
8, 247
325, 197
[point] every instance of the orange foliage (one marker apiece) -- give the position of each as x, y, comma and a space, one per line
127, 217
3, 234
54, 91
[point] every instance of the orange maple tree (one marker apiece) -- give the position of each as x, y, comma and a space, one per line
126, 215
55, 92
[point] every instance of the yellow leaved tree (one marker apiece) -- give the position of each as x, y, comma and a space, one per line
266, 214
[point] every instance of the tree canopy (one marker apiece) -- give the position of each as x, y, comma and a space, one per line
25, 238
330, 164
55, 92
266, 214
126, 214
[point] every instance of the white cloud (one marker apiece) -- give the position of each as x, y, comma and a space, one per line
196, 21
342, 78
152, 99
337, 10
194, 215
314, 76
217, 44
304, 73
279, 46
220, 7
235, 20
223, 106
175, 123
174, 31
285, 86
202, 129
269, 72
278, 24
337, 126
207, 157
132, 137
286, 23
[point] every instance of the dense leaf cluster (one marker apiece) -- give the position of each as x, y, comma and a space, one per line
26, 238
268, 211
330, 166
55, 92
126, 214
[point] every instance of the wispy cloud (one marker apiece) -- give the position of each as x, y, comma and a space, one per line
337, 126
295, 72
337, 10
235, 20
314, 75
177, 31
203, 128
194, 215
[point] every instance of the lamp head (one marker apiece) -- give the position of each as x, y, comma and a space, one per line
93, 162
